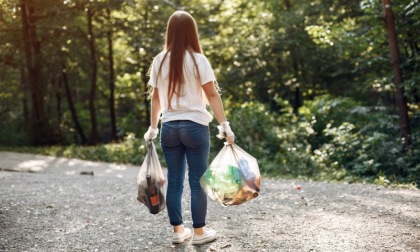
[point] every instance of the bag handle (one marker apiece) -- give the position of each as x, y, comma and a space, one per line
233, 151
149, 155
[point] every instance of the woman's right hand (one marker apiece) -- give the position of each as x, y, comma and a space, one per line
226, 132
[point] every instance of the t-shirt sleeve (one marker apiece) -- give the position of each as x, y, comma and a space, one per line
206, 72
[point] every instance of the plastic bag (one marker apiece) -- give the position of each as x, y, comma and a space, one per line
151, 182
233, 177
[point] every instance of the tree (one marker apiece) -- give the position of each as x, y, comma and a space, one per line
70, 104
111, 76
93, 76
41, 130
296, 100
395, 57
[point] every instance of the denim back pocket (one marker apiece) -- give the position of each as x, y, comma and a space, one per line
169, 136
195, 135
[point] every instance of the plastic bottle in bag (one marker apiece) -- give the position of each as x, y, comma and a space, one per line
152, 195
231, 182
248, 174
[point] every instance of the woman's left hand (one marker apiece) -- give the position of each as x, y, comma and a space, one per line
151, 134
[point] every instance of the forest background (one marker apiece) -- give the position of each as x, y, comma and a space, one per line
313, 89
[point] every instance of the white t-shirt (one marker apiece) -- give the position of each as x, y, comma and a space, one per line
191, 105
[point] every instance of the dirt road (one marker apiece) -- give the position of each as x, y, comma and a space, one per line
54, 208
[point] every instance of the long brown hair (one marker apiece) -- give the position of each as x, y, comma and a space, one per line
181, 37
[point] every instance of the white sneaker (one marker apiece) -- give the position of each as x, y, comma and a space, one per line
181, 237
207, 236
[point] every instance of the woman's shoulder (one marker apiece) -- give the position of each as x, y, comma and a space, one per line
199, 57
159, 57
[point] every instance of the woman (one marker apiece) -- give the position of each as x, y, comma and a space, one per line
183, 84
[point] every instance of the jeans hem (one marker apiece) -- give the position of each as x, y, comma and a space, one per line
177, 223
199, 225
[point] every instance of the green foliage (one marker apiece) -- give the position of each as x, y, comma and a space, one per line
13, 133
334, 138
361, 141
268, 56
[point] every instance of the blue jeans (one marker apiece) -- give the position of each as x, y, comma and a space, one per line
186, 142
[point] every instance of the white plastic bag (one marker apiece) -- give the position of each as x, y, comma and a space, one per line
151, 181
233, 177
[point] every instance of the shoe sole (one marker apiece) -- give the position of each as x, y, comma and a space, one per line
204, 241
178, 241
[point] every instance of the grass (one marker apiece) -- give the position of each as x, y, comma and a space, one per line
132, 151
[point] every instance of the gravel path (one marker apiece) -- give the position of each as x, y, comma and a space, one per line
52, 211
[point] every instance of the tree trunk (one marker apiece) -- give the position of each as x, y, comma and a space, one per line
296, 100
288, 5
23, 85
401, 100
71, 106
40, 129
297, 96
93, 79
58, 100
111, 78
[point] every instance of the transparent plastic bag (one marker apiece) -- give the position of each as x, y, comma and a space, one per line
233, 177
151, 182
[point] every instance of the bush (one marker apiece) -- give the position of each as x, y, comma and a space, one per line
13, 132
363, 142
132, 150
278, 142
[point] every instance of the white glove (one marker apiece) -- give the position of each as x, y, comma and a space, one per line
226, 132
151, 134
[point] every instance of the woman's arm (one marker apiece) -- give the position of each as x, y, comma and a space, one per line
217, 106
155, 104
155, 108
215, 101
